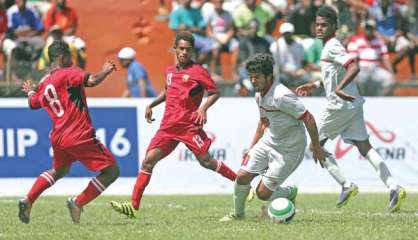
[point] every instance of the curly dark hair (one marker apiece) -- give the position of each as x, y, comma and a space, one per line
329, 13
186, 36
58, 48
260, 63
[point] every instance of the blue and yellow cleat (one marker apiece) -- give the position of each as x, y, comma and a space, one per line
346, 194
396, 197
124, 208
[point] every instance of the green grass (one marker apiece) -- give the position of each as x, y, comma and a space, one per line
196, 217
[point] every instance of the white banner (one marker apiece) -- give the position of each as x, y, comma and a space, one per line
391, 123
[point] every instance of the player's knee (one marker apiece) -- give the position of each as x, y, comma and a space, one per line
205, 163
243, 178
59, 173
147, 165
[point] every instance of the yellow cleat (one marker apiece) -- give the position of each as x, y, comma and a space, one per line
124, 208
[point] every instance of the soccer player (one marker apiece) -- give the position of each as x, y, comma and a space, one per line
61, 93
184, 117
343, 114
278, 146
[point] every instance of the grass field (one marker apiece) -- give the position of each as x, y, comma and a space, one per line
196, 217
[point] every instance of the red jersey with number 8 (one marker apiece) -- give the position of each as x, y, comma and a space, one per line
61, 93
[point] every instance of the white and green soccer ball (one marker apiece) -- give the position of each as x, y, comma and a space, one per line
281, 210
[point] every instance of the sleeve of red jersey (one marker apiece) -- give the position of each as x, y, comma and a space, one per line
207, 82
77, 77
34, 102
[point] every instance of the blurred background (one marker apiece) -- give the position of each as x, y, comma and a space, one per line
381, 34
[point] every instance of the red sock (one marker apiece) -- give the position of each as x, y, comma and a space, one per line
94, 189
44, 181
141, 183
225, 171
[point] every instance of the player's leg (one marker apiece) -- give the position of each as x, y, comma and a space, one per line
199, 143
241, 190
397, 193
43, 182
97, 158
144, 175
255, 163
333, 123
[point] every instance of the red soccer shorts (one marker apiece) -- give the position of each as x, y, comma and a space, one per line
93, 155
167, 140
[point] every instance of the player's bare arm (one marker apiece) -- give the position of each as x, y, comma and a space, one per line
307, 88
263, 123
148, 111
351, 73
95, 79
317, 151
201, 117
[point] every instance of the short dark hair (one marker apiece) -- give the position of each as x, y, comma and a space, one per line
58, 48
260, 63
328, 12
186, 36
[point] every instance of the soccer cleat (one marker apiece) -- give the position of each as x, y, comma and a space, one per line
231, 217
346, 194
396, 197
24, 210
124, 208
75, 211
293, 194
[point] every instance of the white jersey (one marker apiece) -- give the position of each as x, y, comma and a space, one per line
334, 59
283, 110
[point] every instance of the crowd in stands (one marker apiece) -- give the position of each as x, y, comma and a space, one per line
370, 29
27, 28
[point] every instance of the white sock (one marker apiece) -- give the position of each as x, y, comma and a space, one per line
240, 197
280, 192
335, 171
380, 166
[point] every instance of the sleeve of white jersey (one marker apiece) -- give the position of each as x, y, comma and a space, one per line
338, 54
291, 105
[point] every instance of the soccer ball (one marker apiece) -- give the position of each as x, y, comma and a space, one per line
281, 210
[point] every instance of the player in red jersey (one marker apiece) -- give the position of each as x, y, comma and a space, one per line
61, 93
183, 119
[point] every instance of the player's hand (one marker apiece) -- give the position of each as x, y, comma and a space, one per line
109, 66
201, 118
28, 86
148, 114
345, 96
318, 154
305, 89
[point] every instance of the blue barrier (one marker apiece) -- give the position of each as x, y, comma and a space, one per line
25, 146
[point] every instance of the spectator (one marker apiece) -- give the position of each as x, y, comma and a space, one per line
248, 46
3, 22
302, 16
66, 18
289, 57
371, 52
137, 80
220, 28
190, 19
55, 34
24, 26
394, 30
248, 11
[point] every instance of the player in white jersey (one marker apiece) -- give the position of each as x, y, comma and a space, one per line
343, 114
279, 143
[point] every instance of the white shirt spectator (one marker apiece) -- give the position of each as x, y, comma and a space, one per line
289, 58
368, 52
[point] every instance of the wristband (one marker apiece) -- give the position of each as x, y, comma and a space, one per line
30, 93
317, 84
